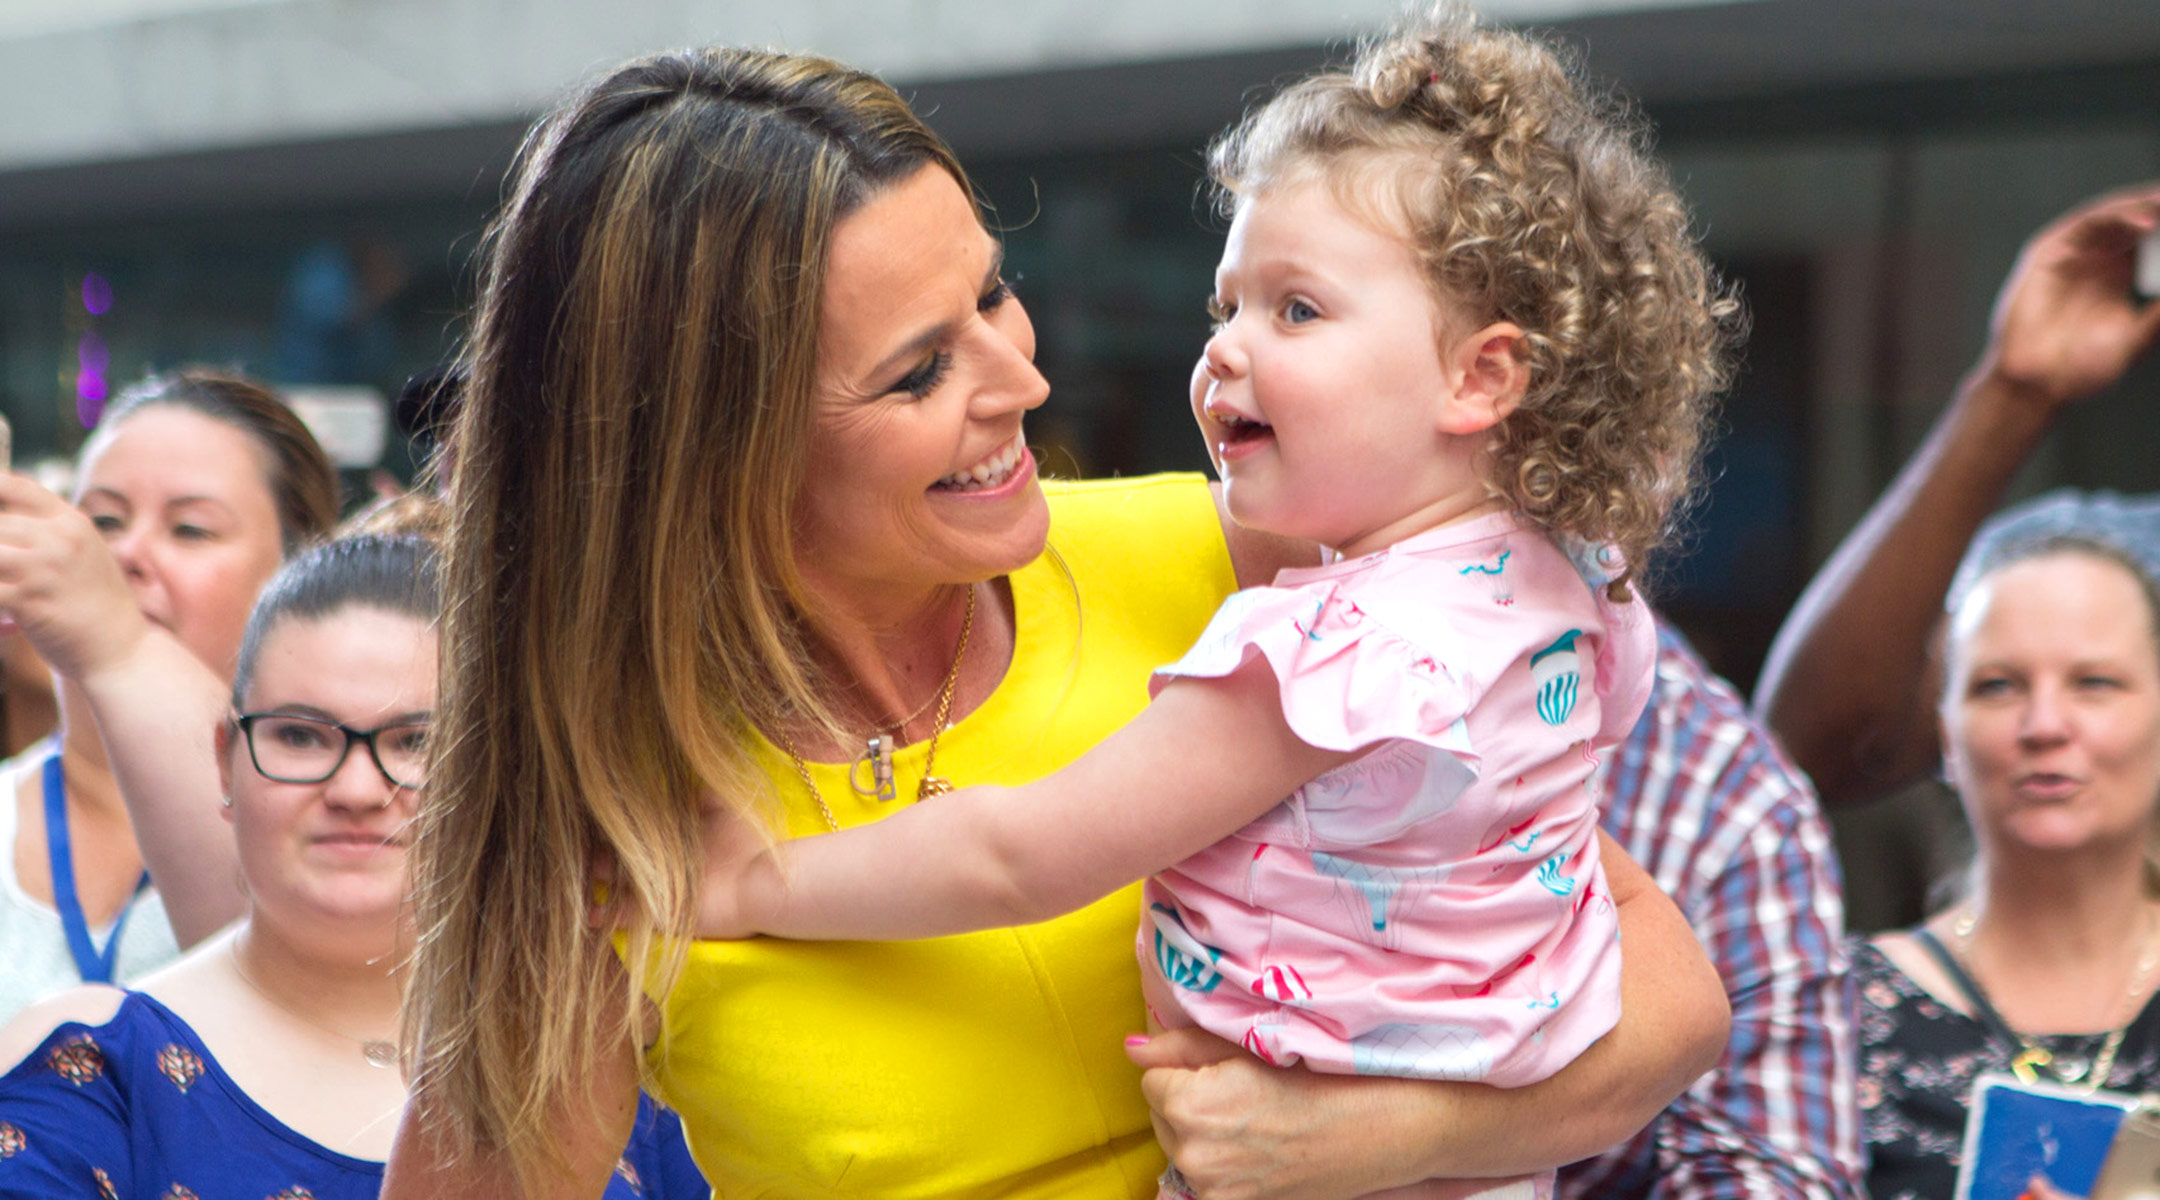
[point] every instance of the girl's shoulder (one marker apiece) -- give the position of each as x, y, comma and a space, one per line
93, 1006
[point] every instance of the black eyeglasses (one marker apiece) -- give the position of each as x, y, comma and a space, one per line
295, 749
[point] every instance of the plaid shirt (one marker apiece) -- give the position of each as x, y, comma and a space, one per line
1707, 803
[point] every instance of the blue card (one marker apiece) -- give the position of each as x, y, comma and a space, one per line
2018, 1130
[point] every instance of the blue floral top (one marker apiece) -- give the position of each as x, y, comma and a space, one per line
137, 1107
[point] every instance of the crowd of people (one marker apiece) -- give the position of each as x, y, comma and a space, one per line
751, 778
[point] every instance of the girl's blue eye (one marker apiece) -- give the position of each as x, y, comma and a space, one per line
1297, 312
1220, 313
924, 379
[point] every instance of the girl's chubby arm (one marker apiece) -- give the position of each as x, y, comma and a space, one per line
1240, 1129
156, 704
1202, 761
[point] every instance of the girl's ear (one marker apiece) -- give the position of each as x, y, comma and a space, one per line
1491, 378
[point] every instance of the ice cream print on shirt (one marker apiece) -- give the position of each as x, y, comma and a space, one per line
1557, 672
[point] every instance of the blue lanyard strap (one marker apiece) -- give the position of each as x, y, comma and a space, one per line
93, 966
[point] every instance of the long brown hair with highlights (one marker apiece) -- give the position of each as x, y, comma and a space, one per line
1528, 197
621, 599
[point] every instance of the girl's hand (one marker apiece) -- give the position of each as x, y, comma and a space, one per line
742, 886
60, 585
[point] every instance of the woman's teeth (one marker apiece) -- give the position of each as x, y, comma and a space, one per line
990, 472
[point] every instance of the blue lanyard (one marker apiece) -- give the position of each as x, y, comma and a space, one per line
93, 966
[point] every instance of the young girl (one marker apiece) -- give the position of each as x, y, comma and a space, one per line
1464, 342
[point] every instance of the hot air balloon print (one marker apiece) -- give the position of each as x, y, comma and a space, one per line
1422, 1052
1556, 671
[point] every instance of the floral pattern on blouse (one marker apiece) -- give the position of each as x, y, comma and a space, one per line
1918, 1060
181, 1065
77, 1060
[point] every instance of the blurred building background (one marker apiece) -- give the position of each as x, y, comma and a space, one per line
296, 187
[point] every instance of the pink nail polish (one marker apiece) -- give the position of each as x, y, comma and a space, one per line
1138, 1039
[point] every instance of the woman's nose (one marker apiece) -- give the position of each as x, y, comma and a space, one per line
130, 547
1012, 381
358, 785
2044, 720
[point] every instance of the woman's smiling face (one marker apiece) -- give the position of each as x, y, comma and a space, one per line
919, 474
2051, 705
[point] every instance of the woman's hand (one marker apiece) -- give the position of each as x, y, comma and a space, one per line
60, 585
1237, 1128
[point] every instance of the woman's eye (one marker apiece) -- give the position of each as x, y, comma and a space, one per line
106, 523
1989, 687
2099, 682
995, 298
192, 533
408, 740
298, 736
1297, 312
924, 379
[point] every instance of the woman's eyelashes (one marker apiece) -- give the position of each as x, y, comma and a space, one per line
926, 377
995, 298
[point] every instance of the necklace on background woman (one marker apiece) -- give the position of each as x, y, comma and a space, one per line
2031, 1057
379, 1052
879, 756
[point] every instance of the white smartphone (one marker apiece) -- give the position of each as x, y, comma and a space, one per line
7, 446
2148, 265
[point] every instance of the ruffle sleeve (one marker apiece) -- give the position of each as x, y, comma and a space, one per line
1347, 682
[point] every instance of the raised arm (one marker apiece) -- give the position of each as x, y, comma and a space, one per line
1847, 684
1198, 764
1239, 1129
156, 704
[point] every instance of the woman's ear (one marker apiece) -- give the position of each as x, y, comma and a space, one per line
1491, 378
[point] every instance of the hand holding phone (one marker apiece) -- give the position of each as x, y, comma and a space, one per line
2148, 265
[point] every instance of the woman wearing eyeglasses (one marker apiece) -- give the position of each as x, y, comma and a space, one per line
264, 1063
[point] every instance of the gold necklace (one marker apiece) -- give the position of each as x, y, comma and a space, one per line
2032, 1057
379, 1052
931, 785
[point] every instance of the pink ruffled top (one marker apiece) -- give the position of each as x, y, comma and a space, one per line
1433, 908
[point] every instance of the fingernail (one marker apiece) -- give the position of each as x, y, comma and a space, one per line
1136, 1040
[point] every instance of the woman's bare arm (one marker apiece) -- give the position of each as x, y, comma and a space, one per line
156, 705
1241, 1130
1847, 685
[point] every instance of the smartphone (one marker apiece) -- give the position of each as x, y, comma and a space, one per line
2148, 265
7, 446
2132, 1169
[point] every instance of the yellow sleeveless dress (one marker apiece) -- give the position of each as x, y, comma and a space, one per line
990, 1064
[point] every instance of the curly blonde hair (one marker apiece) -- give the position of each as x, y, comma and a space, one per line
1528, 197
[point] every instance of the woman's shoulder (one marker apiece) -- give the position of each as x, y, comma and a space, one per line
92, 1006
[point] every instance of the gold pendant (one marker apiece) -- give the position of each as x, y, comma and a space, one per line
932, 786
2025, 1063
878, 757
